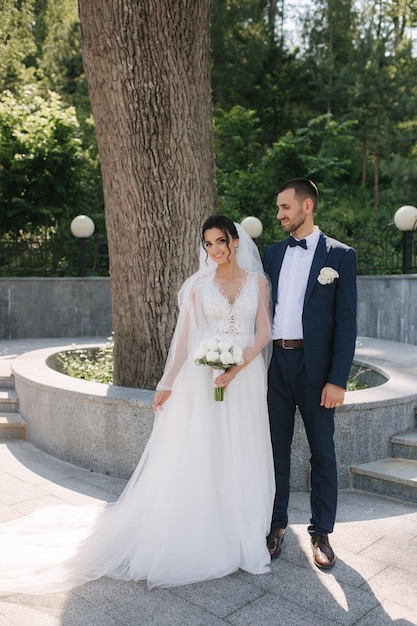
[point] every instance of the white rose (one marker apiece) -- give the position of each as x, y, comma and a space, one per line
212, 356
224, 345
237, 354
226, 358
210, 344
327, 275
200, 353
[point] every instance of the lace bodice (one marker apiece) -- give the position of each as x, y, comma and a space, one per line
225, 319
206, 313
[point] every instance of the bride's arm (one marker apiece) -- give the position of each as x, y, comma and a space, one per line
262, 322
177, 354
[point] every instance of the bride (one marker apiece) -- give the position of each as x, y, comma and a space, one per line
198, 505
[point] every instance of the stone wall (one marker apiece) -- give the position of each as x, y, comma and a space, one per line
80, 307
55, 307
387, 307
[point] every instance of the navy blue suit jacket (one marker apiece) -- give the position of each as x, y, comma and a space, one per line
329, 312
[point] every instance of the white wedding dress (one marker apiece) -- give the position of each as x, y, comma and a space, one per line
199, 503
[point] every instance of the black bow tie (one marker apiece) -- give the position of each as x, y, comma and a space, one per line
297, 242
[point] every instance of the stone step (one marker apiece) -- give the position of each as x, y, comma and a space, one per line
404, 445
6, 374
12, 426
6, 382
395, 477
9, 402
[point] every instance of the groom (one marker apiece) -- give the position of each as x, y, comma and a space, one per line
313, 282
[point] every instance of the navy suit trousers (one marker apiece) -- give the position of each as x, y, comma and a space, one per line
289, 387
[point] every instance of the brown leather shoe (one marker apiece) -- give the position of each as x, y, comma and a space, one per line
274, 541
323, 554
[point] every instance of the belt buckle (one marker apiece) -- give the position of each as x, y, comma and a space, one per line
287, 347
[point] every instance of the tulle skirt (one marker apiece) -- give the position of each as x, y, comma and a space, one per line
197, 507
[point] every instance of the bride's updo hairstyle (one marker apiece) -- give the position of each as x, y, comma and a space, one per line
222, 223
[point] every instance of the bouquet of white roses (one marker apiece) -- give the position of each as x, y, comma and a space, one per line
219, 354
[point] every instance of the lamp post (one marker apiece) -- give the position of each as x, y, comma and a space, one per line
405, 220
82, 227
253, 226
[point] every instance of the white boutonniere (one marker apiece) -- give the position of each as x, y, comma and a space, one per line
327, 275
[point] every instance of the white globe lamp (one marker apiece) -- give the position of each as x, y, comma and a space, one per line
253, 226
82, 226
405, 219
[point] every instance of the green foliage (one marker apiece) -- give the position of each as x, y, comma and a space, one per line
49, 166
252, 68
59, 60
95, 364
340, 106
248, 178
42, 161
353, 102
361, 376
40, 42
237, 144
239, 48
17, 44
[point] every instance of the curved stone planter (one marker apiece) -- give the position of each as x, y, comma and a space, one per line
105, 428
100, 427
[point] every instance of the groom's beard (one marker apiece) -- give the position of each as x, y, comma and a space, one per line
293, 225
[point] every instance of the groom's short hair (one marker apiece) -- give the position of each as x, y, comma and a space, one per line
303, 188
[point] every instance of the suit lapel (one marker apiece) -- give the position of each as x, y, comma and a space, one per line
319, 260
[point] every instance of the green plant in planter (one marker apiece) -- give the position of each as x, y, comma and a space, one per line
95, 364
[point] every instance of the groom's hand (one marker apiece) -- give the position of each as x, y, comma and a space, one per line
332, 396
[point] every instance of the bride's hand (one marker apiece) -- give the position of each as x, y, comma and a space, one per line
223, 380
161, 396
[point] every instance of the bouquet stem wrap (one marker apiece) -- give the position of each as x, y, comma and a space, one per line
218, 391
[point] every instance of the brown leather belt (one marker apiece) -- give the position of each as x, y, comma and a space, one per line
289, 344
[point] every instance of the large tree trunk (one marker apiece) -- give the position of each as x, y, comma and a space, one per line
147, 67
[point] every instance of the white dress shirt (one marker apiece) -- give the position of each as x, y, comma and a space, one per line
292, 284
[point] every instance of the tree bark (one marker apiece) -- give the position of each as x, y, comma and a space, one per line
147, 67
